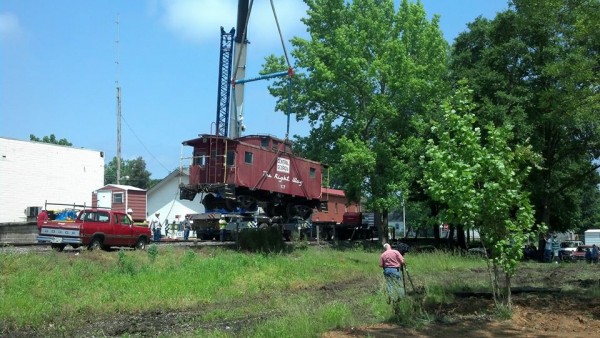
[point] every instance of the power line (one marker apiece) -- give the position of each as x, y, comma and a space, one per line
143, 145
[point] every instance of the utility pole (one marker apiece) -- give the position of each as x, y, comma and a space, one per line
118, 106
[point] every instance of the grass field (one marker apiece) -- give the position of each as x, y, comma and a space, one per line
218, 292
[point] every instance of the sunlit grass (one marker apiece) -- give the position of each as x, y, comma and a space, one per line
280, 294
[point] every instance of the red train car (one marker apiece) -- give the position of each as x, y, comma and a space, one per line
242, 174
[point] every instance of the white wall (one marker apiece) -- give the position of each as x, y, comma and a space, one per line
165, 199
32, 173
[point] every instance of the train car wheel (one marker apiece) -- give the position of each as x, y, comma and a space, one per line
210, 202
268, 209
230, 205
247, 202
303, 211
298, 210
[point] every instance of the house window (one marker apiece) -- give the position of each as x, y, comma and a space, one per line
230, 157
313, 172
118, 197
248, 157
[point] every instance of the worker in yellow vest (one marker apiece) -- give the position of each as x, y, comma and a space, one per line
222, 225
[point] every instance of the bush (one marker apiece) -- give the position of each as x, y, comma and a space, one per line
265, 240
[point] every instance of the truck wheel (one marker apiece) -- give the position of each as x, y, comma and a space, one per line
96, 244
141, 244
57, 247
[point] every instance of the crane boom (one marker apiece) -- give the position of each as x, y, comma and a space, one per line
224, 82
239, 71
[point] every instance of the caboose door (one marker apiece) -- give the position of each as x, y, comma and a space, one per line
218, 160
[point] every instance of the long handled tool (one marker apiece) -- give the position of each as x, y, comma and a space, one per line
404, 279
405, 269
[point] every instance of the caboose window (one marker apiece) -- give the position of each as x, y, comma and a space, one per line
230, 157
264, 142
248, 157
313, 172
275, 145
200, 159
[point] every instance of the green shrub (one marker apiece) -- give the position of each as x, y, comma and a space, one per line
264, 240
124, 264
153, 252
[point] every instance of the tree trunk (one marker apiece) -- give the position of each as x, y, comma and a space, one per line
381, 227
433, 207
460, 236
508, 282
384, 221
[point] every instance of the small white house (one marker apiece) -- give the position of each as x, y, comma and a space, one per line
164, 198
592, 236
32, 173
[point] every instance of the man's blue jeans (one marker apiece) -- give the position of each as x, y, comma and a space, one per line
395, 283
186, 234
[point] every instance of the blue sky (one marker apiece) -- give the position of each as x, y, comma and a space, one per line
58, 69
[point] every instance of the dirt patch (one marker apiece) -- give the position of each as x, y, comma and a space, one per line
533, 316
546, 303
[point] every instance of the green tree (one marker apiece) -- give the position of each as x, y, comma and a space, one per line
536, 67
365, 72
50, 139
133, 172
479, 176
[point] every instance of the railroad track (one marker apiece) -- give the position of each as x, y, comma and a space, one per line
25, 247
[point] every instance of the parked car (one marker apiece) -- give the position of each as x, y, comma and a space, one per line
95, 229
478, 251
530, 252
579, 253
403, 248
567, 248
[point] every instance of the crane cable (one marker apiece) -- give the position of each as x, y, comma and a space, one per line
287, 59
242, 44
290, 71
237, 61
281, 36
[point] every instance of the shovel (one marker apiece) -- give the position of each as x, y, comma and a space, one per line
405, 269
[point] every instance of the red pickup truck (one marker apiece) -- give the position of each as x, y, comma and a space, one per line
94, 228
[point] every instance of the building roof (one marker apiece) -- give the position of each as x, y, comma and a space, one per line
124, 187
335, 192
175, 173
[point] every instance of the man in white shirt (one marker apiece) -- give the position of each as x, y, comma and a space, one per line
155, 225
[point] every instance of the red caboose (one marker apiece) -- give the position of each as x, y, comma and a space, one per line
242, 174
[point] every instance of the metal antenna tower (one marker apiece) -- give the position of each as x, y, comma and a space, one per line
118, 105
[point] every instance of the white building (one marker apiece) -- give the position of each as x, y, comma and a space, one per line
32, 173
164, 198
